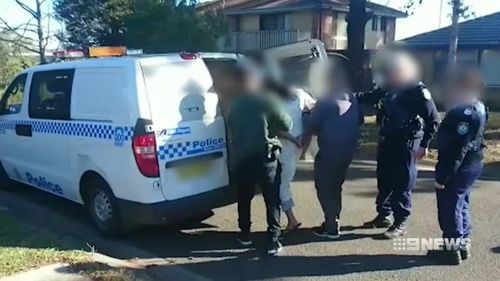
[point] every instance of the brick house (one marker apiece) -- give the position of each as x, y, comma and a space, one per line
259, 24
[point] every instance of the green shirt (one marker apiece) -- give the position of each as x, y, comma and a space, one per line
254, 122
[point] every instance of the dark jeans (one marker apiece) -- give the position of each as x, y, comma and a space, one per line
329, 176
453, 201
250, 172
396, 177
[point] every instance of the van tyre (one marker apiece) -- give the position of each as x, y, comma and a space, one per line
5, 182
104, 211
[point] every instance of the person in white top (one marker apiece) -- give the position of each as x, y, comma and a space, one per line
296, 103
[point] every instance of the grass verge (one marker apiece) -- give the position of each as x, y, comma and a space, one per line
369, 139
23, 248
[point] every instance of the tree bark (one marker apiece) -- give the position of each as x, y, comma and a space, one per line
356, 22
452, 53
41, 38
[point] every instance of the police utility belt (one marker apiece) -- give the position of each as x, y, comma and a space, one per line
401, 129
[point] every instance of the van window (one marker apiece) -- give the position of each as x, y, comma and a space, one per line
100, 94
50, 94
12, 99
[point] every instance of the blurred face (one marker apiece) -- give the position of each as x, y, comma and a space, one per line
400, 71
464, 89
462, 93
253, 82
337, 84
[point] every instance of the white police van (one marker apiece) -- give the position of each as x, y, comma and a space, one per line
138, 140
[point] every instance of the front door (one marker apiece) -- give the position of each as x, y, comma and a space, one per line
47, 133
12, 132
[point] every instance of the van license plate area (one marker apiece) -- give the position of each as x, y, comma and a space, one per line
193, 171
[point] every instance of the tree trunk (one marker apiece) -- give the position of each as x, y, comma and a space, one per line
356, 22
41, 39
452, 54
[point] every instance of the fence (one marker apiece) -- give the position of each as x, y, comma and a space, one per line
244, 41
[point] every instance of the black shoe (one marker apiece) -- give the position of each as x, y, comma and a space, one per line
465, 253
379, 222
395, 231
320, 231
244, 239
446, 257
274, 248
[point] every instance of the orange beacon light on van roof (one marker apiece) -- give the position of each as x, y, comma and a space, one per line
99, 52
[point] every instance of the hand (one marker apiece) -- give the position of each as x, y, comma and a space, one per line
438, 185
421, 153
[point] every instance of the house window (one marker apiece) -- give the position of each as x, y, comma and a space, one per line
272, 21
375, 23
383, 24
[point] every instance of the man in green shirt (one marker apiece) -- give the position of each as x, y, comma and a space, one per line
254, 120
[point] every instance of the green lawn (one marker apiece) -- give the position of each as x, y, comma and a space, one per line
23, 247
369, 135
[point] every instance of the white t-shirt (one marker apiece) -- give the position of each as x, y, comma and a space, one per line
295, 107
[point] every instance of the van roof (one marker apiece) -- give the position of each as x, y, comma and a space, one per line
109, 62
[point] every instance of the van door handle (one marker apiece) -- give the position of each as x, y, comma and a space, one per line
24, 130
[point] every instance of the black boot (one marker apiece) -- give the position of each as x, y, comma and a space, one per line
465, 249
379, 222
465, 254
445, 257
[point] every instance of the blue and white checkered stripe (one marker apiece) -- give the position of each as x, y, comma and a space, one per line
80, 129
173, 150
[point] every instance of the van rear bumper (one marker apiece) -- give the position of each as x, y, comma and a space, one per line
175, 210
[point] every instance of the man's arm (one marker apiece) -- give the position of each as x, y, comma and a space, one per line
429, 114
372, 97
322, 111
454, 137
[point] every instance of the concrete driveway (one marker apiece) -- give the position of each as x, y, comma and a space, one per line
209, 251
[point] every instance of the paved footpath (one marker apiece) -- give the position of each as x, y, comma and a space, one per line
208, 251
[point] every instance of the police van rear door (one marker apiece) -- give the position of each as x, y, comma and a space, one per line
294, 63
190, 131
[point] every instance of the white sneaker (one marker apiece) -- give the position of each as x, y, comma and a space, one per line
274, 248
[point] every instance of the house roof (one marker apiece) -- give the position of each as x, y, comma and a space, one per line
482, 32
241, 7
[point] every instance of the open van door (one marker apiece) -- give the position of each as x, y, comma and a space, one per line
297, 64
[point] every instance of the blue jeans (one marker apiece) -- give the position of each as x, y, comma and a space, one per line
453, 201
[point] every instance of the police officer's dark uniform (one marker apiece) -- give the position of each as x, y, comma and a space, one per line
409, 120
460, 161
378, 91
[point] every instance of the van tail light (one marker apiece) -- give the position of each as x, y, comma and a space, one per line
188, 56
144, 147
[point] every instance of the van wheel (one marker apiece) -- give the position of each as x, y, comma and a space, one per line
5, 182
103, 208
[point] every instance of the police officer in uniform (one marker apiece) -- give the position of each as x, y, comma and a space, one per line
409, 121
460, 161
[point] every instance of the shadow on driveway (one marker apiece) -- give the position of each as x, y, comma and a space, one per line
496, 250
359, 169
247, 267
